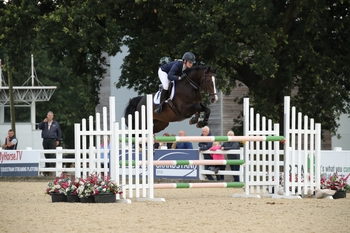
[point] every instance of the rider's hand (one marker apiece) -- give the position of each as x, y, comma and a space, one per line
184, 75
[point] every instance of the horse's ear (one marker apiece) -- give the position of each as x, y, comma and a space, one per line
210, 69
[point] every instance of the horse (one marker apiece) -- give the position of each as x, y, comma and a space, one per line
186, 102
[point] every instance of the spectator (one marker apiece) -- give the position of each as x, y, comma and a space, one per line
216, 146
51, 134
182, 145
165, 144
232, 146
156, 143
11, 141
206, 146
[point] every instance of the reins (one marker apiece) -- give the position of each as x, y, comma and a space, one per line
196, 86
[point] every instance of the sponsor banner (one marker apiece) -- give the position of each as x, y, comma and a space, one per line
19, 169
19, 163
190, 172
133, 169
335, 161
19, 156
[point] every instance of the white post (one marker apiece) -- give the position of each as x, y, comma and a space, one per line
58, 160
150, 145
32, 114
318, 141
77, 150
286, 145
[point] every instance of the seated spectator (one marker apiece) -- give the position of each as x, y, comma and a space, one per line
182, 145
10, 141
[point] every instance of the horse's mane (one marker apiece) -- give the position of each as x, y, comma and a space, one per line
200, 67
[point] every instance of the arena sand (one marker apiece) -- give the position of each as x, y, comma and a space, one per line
25, 208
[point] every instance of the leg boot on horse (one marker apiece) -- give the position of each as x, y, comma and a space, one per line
163, 95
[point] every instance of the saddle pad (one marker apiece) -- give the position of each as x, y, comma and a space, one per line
156, 97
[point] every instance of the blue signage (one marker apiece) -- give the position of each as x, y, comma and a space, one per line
19, 169
190, 172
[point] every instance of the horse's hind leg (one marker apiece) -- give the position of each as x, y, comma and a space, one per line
204, 122
159, 125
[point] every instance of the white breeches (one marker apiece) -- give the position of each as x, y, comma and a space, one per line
163, 78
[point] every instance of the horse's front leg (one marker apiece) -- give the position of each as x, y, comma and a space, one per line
204, 122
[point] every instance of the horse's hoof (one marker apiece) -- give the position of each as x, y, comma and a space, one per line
200, 124
194, 120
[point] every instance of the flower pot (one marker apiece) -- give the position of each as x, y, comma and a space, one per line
58, 197
105, 198
73, 198
89, 199
339, 194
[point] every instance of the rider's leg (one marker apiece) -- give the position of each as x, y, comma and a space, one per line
163, 95
165, 82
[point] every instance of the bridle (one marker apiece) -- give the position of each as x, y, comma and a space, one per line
196, 86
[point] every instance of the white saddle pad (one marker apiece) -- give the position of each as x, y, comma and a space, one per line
156, 97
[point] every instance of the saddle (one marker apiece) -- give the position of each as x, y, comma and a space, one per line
172, 89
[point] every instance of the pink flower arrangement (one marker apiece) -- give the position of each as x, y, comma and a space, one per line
83, 187
87, 186
335, 182
106, 185
94, 184
59, 185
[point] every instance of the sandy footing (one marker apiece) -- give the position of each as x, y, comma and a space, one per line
25, 208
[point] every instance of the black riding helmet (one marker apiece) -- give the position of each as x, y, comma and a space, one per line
188, 56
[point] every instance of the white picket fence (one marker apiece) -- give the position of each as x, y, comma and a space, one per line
261, 170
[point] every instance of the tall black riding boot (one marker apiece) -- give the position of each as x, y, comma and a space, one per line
163, 95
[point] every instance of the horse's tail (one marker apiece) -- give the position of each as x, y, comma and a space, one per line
131, 108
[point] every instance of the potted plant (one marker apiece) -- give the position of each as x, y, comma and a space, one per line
87, 187
57, 188
106, 190
336, 182
72, 189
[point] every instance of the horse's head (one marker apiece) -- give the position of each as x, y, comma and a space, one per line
204, 77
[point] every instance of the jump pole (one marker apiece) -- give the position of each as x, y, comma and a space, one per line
199, 185
215, 138
188, 162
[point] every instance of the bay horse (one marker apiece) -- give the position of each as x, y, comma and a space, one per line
186, 102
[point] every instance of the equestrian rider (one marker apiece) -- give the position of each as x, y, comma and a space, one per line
173, 71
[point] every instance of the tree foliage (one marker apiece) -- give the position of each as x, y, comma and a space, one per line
276, 48
68, 39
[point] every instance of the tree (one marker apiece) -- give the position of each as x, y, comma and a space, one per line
67, 40
276, 48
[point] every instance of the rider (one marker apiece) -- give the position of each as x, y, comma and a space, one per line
173, 71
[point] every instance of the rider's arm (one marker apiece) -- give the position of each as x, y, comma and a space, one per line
174, 71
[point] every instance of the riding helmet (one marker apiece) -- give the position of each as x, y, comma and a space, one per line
188, 56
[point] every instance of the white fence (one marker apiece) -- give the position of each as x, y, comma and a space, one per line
262, 167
